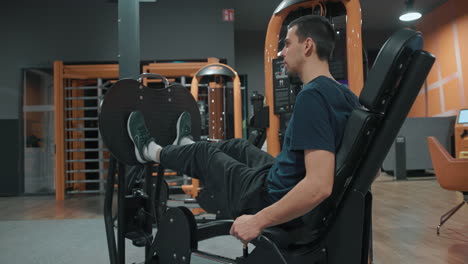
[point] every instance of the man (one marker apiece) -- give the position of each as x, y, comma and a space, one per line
262, 191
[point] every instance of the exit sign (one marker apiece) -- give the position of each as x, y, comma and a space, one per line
228, 14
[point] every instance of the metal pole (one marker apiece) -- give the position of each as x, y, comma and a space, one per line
100, 143
129, 38
121, 213
109, 223
400, 158
150, 207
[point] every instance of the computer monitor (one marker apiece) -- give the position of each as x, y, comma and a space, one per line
463, 116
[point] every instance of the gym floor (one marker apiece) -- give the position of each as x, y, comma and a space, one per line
405, 216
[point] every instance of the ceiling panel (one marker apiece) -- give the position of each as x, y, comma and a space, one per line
376, 14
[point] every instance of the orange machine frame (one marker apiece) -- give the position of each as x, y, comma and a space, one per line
213, 69
354, 55
65, 73
169, 69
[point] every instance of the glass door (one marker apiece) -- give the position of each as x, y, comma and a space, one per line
38, 117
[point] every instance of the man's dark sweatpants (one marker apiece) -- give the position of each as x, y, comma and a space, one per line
234, 171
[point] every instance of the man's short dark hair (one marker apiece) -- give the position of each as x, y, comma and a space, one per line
319, 30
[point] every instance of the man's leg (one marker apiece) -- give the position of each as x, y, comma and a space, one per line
241, 188
243, 151
238, 187
239, 149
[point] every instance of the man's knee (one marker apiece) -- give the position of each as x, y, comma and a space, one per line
240, 141
233, 145
202, 144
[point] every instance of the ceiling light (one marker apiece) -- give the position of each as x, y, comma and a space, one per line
410, 14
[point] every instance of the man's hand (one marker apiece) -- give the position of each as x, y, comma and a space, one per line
246, 228
316, 186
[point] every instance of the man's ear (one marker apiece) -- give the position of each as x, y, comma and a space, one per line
309, 46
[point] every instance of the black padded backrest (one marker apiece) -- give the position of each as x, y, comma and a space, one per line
383, 83
398, 108
359, 131
389, 65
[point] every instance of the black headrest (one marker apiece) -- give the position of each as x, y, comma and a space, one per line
395, 52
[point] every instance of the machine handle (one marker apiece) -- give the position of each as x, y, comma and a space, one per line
154, 75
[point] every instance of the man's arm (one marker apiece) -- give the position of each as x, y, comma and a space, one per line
316, 186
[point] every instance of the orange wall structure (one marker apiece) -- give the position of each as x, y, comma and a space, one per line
445, 32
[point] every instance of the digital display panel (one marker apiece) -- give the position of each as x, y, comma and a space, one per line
463, 116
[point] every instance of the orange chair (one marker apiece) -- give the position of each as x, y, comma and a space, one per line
451, 173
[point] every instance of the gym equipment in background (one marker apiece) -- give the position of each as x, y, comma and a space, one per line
216, 90
461, 135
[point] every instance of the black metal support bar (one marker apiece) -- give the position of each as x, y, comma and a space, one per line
108, 212
447, 215
121, 213
129, 39
150, 205
157, 189
400, 158
159, 183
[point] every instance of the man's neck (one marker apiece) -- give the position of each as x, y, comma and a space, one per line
312, 70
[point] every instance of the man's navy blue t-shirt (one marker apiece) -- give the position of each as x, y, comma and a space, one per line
318, 122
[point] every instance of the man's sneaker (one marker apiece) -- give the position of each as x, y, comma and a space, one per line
139, 134
183, 127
